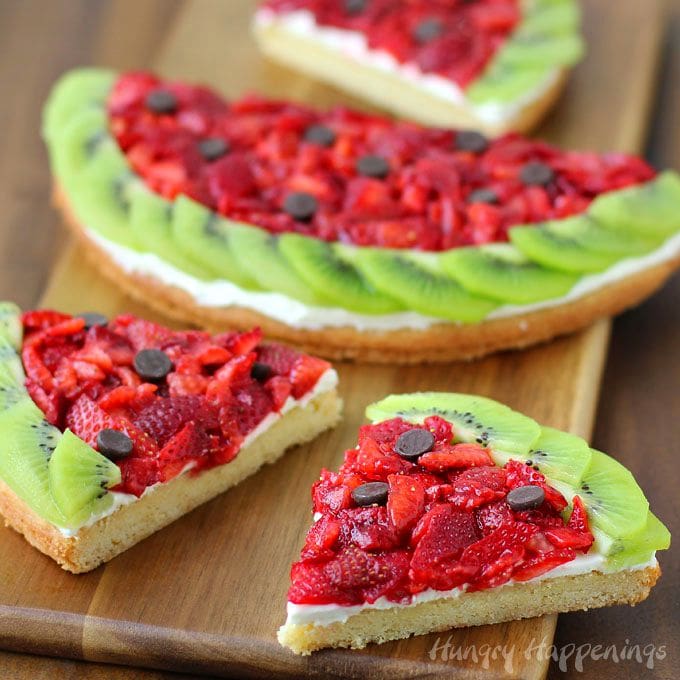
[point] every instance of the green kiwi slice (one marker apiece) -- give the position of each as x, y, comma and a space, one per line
78, 145
616, 504
535, 49
506, 82
560, 456
27, 445
475, 419
417, 280
259, 253
551, 19
328, 270
651, 210
78, 90
576, 244
501, 272
151, 222
206, 238
101, 201
638, 549
79, 478
11, 328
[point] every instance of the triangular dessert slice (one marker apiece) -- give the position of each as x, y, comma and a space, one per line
454, 510
112, 429
495, 65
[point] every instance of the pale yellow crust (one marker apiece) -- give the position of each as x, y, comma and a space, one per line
129, 524
441, 342
391, 91
505, 603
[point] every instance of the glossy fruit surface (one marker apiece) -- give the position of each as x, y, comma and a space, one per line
197, 415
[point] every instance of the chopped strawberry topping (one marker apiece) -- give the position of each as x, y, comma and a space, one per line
452, 39
451, 524
195, 417
422, 194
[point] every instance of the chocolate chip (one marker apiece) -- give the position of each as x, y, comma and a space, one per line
93, 319
470, 140
525, 497
355, 6
260, 372
114, 444
152, 364
373, 166
482, 196
161, 101
536, 172
371, 493
320, 134
213, 148
300, 206
414, 443
428, 30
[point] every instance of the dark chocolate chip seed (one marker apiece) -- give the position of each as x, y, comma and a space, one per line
535, 172
152, 364
355, 6
414, 443
373, 166
114, 444
428, 30
371, 493
161, 101
320, 134
93, 319
525, 497
260, 372
300, 206
213, 148
470, 140
483, 196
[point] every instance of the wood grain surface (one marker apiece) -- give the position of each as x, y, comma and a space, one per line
207, 593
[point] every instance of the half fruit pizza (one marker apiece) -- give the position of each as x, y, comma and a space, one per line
112, 429
347, 234
453, 510
495, 65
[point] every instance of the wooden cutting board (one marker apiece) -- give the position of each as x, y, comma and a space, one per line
208, 593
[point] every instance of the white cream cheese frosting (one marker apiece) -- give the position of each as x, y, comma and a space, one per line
353, 45
325, 614
327, 382
222, 293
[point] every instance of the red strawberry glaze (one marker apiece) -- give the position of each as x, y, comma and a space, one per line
424, 202
200, 413
442, 527
466, 35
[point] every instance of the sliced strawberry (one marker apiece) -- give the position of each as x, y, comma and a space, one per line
405, 501
352, 577
456, 456
540, 564
188, 445
369, 528
477, 486
305, 374
279, 389
321, 539
370, 461
279, 358
565, 537
447, 534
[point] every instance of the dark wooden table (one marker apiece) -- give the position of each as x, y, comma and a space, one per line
640, 402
